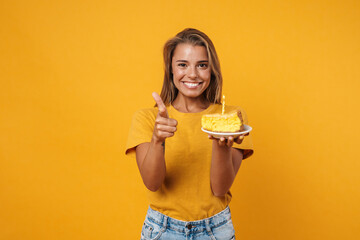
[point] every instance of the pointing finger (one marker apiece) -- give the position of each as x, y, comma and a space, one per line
160, 104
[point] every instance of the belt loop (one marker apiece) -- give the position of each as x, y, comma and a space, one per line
207, 225
164, 223
208, 229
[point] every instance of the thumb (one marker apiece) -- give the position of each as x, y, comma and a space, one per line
161, 106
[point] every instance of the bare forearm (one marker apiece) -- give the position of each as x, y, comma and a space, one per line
150, 156
153, 167
222, 173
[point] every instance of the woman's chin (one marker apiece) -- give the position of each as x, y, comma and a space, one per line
191, 93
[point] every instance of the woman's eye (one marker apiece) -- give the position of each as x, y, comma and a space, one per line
203, 65
182, 65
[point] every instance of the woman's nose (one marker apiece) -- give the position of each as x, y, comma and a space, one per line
192, 73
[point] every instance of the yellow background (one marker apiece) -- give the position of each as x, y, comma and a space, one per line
72, 73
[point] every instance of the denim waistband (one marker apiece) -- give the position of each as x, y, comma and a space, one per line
192, 226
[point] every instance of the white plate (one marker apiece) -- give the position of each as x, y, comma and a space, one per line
247, 129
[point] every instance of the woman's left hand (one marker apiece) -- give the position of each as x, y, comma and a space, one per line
228, 141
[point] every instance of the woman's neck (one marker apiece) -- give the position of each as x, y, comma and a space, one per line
190, 105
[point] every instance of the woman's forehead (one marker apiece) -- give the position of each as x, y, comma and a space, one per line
187, 51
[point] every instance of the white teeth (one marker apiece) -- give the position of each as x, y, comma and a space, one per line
191, 84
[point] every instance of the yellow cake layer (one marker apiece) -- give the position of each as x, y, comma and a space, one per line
229, 122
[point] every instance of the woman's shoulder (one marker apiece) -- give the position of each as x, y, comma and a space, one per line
145, 113
152, 110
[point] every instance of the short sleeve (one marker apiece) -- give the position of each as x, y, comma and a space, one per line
141, 129
247, 143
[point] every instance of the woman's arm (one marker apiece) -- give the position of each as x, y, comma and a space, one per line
150, 156
151, 164
225, 164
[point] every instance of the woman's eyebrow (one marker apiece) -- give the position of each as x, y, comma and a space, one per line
187, 61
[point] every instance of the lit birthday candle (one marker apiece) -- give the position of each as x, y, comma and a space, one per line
223, 105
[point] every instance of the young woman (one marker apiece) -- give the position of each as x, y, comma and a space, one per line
188, 173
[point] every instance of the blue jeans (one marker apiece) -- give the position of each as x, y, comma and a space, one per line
160, 226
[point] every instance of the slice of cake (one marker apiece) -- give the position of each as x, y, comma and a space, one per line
229, 122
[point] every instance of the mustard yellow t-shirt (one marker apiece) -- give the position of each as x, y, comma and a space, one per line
186, 192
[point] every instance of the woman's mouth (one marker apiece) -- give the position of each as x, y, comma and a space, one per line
192, 85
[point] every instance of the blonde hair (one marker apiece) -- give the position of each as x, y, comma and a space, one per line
193, 36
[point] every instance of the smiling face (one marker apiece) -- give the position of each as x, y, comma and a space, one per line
191, 70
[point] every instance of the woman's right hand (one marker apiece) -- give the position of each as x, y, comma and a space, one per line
164, 126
